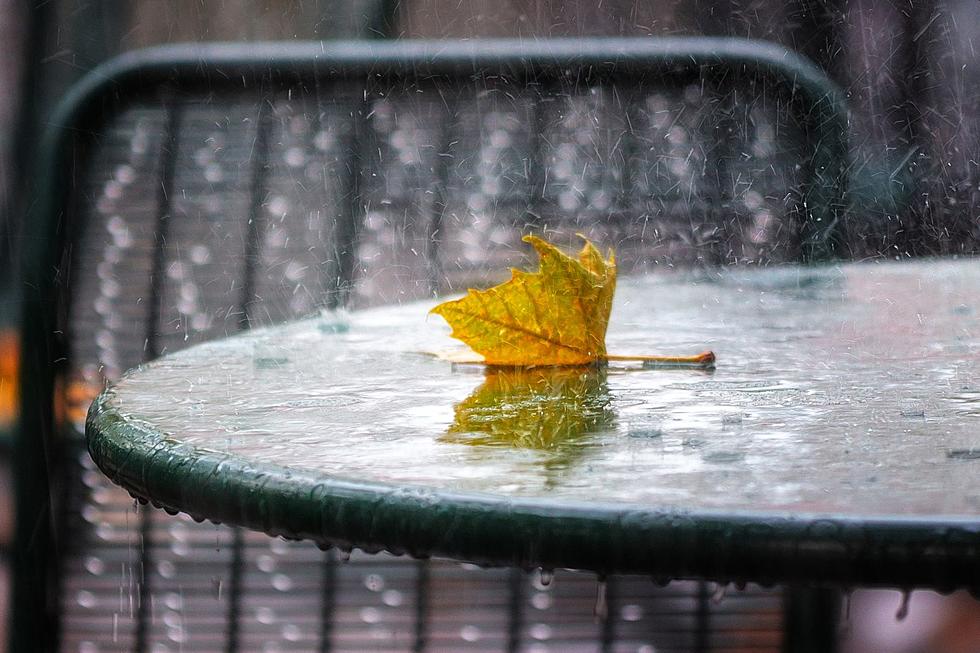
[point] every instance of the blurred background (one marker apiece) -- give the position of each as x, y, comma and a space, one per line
910, 69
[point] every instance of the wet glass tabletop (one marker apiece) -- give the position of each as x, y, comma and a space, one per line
851, 390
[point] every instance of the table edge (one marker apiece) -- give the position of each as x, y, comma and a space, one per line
724, 546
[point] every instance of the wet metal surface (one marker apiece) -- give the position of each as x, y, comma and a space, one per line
851, 390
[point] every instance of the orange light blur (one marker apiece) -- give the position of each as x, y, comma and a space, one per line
9, 383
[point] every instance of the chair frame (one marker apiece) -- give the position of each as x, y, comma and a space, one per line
105, 91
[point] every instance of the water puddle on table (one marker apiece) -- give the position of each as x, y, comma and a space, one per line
831, 392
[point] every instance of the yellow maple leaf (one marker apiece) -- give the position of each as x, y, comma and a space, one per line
555, 316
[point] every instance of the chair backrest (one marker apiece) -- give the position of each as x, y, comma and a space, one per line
191, 192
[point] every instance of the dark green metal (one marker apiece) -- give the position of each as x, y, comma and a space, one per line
767, 548
106, 89
810, 617
32, 618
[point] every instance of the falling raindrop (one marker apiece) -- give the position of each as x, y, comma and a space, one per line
470, 633
541, 600
392, 598
719, 594
845, 622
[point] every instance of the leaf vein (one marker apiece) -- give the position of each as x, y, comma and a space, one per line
520, 329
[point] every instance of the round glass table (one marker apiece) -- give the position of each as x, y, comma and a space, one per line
837, 441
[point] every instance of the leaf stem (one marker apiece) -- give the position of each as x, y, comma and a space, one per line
704, 359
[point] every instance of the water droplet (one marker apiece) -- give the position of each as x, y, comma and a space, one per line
722, 457
903, 608
173, 601
270, 362
370, 615
374, 582
166, 569
282, 582
601, 608
646, 432
333, 327
963, 454
540, 631
470, 633
94, 565
719, 594
631, 612
845, 621
392, 598
266, 563
292, 633
545, 576
86, 599
541, 600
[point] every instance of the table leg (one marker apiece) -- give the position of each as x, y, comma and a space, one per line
810, 619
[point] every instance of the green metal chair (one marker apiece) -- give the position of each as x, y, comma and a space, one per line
192, 192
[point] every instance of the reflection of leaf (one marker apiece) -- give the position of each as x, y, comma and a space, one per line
534, 408
556, 316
